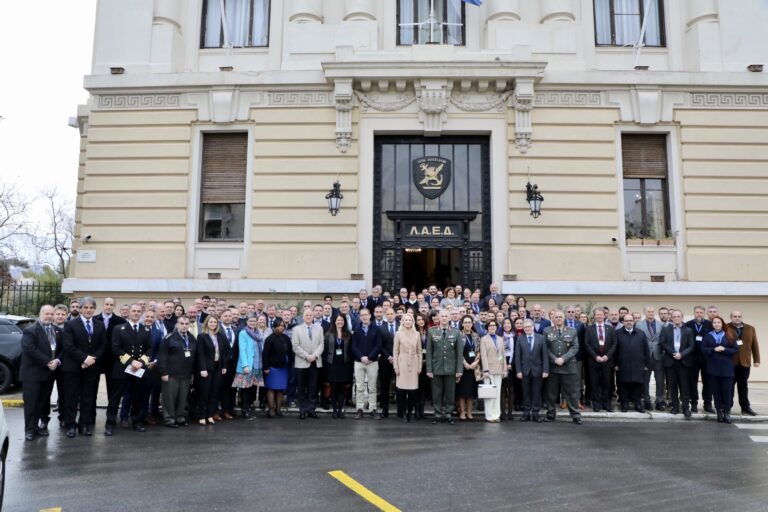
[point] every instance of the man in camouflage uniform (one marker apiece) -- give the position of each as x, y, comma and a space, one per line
564, 377
444, 366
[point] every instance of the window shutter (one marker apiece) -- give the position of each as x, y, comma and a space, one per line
224, 167
644, 156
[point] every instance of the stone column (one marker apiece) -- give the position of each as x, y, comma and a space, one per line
359, 10
557, 10
503, 10
165, 53
306, 11
702, 35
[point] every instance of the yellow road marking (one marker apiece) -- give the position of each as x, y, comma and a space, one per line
369, 496
54, 509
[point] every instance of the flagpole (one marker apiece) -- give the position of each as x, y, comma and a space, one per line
639, 44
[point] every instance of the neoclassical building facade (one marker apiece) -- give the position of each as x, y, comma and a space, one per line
216, 128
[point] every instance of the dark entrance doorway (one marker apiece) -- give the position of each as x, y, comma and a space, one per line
431, 212
425, 266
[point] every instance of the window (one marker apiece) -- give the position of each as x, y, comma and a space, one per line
619, 22
244, 23
222, 195
417, 25
646, 193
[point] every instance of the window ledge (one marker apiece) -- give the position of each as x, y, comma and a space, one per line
630, 49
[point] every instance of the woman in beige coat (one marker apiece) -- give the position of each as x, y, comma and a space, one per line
494, 367
406, 356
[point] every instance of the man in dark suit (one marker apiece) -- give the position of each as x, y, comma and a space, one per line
678, 346
539, 322
228, 394
85, 342
531, 367
41, 346
175, 364
109, 320
495, 295
600, 346
131, 345
376, 298
366, 347
633, 358
700, 326
386, 369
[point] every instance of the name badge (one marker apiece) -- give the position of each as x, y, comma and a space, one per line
501, 357
739, 342
471, 353
423, 351
699, 338
187, 353
339, 352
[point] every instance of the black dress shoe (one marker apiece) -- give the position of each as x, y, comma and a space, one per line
748, 411
88, 430
108, 430
314, 416
359, 415
302, 415
660, 406
577, 421
41, 432
639, 408
538, 419
687, 413
29, 436
171, 425
139, 427
450, 420
708, 408
647, 405
727, 417
71, 432
385, 414
624, 408
719, 416
125, 424
694, 408
62, 424
674, 410
435, 420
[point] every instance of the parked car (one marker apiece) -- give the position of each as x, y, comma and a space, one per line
3, 452
22, 322
10, 353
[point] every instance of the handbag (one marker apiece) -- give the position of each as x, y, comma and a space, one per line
486, 390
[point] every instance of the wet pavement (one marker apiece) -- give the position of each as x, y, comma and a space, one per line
283, 464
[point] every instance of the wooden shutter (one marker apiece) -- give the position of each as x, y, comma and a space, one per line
644, 156
224, 167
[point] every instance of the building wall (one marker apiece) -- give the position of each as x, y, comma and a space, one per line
725, 163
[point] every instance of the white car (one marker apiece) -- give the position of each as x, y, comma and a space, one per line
3, 452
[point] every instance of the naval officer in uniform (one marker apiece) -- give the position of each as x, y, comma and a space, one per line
131, 344
564, 375
444, 356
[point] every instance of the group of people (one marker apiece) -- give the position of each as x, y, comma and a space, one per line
202, 363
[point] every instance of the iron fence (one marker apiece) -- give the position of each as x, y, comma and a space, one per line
25, 299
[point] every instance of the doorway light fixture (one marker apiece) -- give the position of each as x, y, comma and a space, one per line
534, 198
413, 249
334, 198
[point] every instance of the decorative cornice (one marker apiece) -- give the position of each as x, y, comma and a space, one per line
729, 100
137, 101
570, 98
301, 98
392, 103
493, 102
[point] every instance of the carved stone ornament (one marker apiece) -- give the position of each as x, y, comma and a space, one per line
432, 96
522, 100
343, 97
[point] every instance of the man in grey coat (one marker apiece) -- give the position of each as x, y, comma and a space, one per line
565, 374
652, 327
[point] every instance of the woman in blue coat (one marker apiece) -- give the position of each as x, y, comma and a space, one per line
719, 347
248, 375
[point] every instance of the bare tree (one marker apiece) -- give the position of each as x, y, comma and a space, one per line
55, 235
14, 223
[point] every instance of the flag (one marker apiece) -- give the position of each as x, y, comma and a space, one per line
473, 2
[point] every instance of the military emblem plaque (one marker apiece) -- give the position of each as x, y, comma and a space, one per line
431, 175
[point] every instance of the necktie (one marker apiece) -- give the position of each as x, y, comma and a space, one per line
136, 328
392, 330
600, 332
652, 328
229, 336
186, 341
88, 328
106, 322
309, 333
444, 331
530, 343
51, 337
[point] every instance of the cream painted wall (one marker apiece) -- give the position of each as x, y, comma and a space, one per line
725, 157
572, 159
